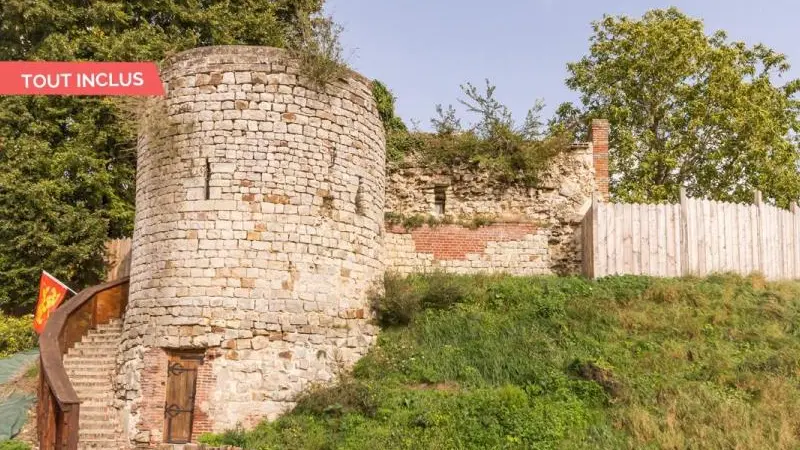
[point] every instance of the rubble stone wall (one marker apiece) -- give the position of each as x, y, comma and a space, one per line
531, 230
259, 210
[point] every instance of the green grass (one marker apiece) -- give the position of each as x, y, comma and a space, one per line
563, 363
14, 445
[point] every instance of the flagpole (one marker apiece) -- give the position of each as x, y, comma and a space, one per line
59, 282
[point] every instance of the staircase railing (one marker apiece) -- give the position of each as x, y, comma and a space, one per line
59, 406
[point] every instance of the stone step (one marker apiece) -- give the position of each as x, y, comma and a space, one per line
97, 412
111, 345
92, 437
98, 424
99, 445
91, 372
80, 383
105, 332
101, 339
108, 326
98, 395
90, 363
92, 351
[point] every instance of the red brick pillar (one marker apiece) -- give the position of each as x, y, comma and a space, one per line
598, 135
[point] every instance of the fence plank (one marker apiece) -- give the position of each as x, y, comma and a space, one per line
669, 234
696, 236
735, 240
653, 247
627, 238
754, 245
636, 240
679, 236
601, 236
742, 212
685, 235
796, 237
610, 239
702, 240
718, 233
644, 244
118, 258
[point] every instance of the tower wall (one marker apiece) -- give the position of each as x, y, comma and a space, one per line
258, 233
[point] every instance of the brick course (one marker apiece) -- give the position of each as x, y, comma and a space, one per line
598, 135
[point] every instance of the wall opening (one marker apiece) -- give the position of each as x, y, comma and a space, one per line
208, 179
359, 199
439, 198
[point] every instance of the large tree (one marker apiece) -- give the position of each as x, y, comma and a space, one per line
689, 109
67, 163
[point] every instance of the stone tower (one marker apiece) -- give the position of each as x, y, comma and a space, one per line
258, 234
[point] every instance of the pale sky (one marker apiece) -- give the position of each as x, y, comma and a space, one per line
424, 49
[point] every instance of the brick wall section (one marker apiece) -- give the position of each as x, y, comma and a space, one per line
519, 249
154, 394
598, 135
154, 381
206, 383
452, 242
248, 240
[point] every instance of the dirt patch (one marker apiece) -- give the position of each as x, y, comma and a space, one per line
602, 376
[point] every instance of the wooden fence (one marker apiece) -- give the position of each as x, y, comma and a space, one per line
695, 237
118, 259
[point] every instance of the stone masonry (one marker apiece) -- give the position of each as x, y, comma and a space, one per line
530, 231
258, 236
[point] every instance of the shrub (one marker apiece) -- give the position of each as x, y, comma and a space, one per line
236, 437
513, 153
16, 334
316, 45
347, 396
442, 291
400, 302
405, 297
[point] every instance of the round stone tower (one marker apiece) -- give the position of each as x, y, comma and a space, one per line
257, 240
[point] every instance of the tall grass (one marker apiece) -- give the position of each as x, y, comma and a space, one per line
511, 362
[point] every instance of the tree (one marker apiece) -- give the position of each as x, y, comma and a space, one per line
67, 164
689, 109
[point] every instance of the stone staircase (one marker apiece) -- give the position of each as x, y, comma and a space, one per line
90, 366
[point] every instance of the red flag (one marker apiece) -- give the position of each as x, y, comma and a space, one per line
51, 293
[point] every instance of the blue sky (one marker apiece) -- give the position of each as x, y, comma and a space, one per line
424, 49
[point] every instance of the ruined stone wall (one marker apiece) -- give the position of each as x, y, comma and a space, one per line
531, 231
259, 209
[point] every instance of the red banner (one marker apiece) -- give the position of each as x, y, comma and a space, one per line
79, 78
51, 293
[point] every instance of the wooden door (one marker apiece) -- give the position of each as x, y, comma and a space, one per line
179, 406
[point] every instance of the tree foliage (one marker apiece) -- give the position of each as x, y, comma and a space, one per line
67, 164
689, 109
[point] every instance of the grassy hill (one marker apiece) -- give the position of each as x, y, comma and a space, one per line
563, 363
